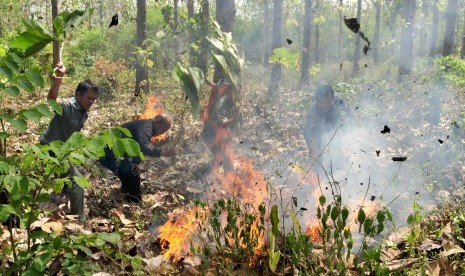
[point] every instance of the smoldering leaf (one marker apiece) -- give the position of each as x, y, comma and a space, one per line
399, 158
352, 24
378, 152
294, 200
440, 141
386, 129
288, 41
114, 20
372, 198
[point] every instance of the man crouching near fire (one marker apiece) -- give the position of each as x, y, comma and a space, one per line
321, 124
127, 169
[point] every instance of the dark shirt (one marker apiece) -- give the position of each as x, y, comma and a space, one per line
319, 126
62, 126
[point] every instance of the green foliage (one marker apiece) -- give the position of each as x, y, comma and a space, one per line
236, 231
227, 58
274, 233
191, 80
453, 69
287, 57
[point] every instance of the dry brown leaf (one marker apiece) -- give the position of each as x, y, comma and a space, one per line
122, 218
451, 249
401, 264
52, 226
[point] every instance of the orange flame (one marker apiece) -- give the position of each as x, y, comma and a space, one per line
151, 111
176, 233
313, 230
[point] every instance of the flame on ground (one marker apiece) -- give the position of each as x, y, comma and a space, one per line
151, 110
314, 232
176, 233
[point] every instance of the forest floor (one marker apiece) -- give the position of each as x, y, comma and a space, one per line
272, 139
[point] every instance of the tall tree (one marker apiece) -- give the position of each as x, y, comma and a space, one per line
317, 33
375, 46
356, 68
462, 50
266, 32
205, 30
225, 13
406, 39
142, 82
449, 34
56, 44
434, 29
190, 29
276, 43
305, 63
423, 31
339, 37
175, 27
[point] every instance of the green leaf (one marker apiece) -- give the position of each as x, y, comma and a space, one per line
84, 249
361, 216
191, 80
32, 40
4, 135
40, 262
380, 217
43, 109
110, 237
58, 185
57, 242
74, 19
334, 213
322, 200
6, 72
12, 91
132, 147
36, 77
12, 65
76, 140
32, 114
24, 83
58, 108
286, 56
19, 124
2, 86
3, 51
274, 220
5, 211
81, 181
345, 213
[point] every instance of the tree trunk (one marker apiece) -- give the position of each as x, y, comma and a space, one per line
356, 68
175, 28
434, 29
406, 40
317, 34
305, 63
142, 82
225, 13
423, 31
266, 32
462, 51
190, 29
339, 37
204, 44
376, 34
56, 44
276, 43
100, 11
449, 34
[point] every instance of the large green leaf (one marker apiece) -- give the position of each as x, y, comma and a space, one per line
19, 124
24, 83
32, 40
132, 147
36, 77
287, 57
43, 109
191, 81
32, 114
6, 72
74, 19
12, 91
81, 181
5, 211
55, 106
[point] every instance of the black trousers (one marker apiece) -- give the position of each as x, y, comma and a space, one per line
130, 183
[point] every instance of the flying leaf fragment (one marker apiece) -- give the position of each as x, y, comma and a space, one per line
399, 158
114, 20
440, 141
294, 200
386, 129
354, 26
372, 198
378, 152
288, 41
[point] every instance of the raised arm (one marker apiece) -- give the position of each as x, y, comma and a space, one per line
58, 74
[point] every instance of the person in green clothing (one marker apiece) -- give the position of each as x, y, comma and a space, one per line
61, 127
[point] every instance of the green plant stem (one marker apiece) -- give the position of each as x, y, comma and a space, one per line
3, 153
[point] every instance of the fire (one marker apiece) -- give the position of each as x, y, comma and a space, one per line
176, 233
151, 111
313, 230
